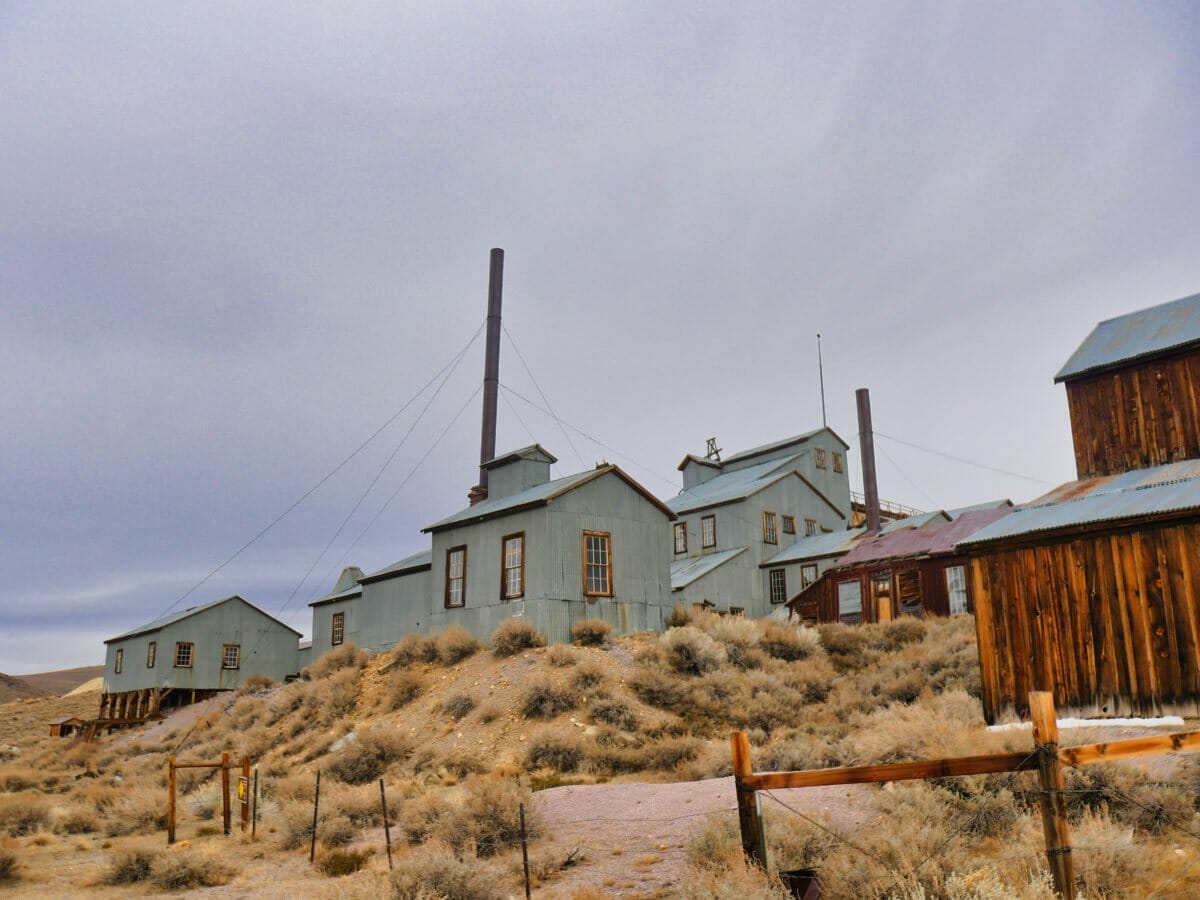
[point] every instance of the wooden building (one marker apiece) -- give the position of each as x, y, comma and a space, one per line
66, 726
1091, 591
910, 568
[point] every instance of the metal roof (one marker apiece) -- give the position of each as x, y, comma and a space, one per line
163, 621
934, 539
413, 563
347, 594
533, 451
685, 571
776, 445
817, 546
540, 495
736, 485
1174, 487
1141, 333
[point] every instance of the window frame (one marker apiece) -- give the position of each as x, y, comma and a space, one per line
788, 524
819, 457
842, 614
706, 545
839, 462
771, 533
737, 611
679, 530
151, 654
950, 590
337, 629
237, 657
608, 565
119, 661
807, 569
777, 585
191, 654
450, 551
810, 528
505, 568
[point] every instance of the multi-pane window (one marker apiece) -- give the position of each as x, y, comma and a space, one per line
151, 653
231, 656
810, 527
956, 587
183, 654
681, 537
819, 457
808, 574
456, 576
778, 585
769, 526
839, 462
737, 610
119, 662
789, 524
708, 531
514, 567
337, 630
597, 564
849, 595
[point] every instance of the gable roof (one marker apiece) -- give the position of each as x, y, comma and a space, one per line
816, 546
699, 460
935, 538
347, 594
1141, 493
171, 618
780, 444
533, 451
540, 495
1147, 332
415, 563
685, 571
739, 484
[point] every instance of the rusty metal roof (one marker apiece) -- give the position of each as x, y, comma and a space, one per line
1141, 333
1174, 487
935, 539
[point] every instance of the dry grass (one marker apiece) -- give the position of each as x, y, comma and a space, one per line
186, 869
456, 706
591, 632
435, 872
514, 635
546, 698
366, 758
455, 644
10, 865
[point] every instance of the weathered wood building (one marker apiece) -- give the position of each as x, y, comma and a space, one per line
1093, 590
185, 656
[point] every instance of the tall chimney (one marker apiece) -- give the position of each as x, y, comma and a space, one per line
491, 375
866, 444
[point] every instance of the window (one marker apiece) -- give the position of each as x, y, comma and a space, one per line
681, 537
808, 574
810, 527
778, 585
597, 564
819, 457
183, 654
769, 536
908, 592
956, 587
151, 653
337, 632
708, 532
849, 595
456, 576
119, 662
231, 656
513, 580
789, 524
737, 610
839, 463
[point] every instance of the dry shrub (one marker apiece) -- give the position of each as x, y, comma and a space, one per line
331, 698
561, 656
10, 865
591, 632
186, 869
403, 687
24, 813
588, 676
738, 635
139, 809
789, 642
435, 872
1116, 865
949, 724
342, 862
690, 651
131, 865
490, 712
257, 684
415, 648
455, 644
458, 705
346, 656
1129, 797
295, 817
369, 756
657, 688
545, 699
20, 778
76, 819
552, 750
514, 635
492, 811
613, 711
680, 615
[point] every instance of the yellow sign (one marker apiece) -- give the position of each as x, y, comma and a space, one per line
243, 791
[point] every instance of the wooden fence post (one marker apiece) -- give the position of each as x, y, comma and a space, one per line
245, 797
312, 849
754, 841
1051, 799
170, 799
254, 816
225, 811
387, 831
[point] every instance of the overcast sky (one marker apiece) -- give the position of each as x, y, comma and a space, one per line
236, 239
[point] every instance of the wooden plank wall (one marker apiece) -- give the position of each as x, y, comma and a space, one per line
819, 601
1140, 416
1108, 622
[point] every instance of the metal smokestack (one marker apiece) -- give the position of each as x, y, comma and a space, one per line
491, 374
866, 444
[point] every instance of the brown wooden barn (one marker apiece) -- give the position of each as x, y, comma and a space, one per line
1092, 592
908, 569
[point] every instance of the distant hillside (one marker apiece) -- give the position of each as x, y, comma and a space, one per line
62, 681
17, 689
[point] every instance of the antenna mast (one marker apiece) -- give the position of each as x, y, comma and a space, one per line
821, 373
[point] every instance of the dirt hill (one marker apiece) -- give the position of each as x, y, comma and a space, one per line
63, 681
12, 688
